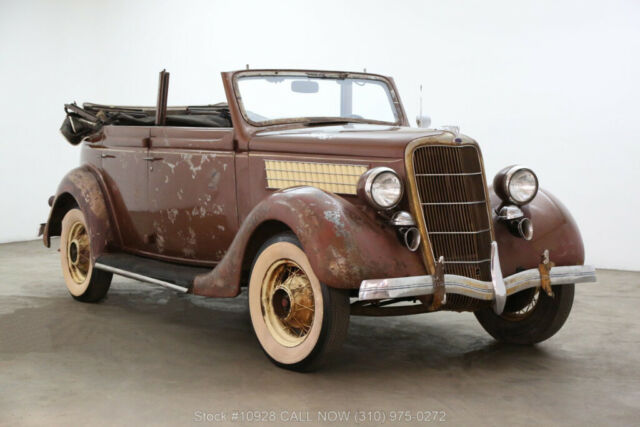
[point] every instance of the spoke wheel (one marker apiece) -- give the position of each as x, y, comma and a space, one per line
83, 282
288, 305
78, 252
525, 311
299, 322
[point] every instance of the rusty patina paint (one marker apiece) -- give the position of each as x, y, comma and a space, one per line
554, 229
439, 297
344, 245
83, 186
544, 268
192, 207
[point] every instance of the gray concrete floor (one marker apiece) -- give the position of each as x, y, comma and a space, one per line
147, 355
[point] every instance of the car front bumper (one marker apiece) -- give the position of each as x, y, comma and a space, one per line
496, 290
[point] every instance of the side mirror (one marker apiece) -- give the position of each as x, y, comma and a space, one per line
423, 121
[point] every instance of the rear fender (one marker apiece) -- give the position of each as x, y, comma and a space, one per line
81, 188
344, 244
553, 228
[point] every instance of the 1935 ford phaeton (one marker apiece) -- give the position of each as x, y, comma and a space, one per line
310, 188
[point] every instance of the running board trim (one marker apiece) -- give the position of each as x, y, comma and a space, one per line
139, 277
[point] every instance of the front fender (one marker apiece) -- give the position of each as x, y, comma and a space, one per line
553, 228
81, 186
344, 244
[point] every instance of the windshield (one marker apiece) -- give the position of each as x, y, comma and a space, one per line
283, 98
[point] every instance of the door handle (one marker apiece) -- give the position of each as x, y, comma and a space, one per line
107, 156
151, 159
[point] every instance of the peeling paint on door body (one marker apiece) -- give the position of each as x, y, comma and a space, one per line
192, 197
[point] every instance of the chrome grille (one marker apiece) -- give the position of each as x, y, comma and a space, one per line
451, 191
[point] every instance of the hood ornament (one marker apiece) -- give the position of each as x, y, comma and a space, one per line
455, 130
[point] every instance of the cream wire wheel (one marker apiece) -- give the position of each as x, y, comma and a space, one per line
77, 252
287, 303
83, 282
298, 321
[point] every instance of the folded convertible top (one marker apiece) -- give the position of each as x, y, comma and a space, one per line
81, 122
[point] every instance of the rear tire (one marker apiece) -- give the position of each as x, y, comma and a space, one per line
84, 283
532, 323
299, 322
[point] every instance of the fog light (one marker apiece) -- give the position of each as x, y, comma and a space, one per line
402, 219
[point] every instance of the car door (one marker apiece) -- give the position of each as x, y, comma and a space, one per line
124, 159
192, 193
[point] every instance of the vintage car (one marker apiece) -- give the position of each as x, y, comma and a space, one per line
310, 189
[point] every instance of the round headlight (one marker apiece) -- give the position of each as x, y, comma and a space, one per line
383, 187
519, 184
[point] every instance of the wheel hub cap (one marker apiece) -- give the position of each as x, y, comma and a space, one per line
78, 252
287, 303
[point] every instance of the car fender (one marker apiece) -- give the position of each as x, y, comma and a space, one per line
553, 228
344, 244
81, 187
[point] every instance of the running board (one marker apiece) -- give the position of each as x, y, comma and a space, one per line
172, 276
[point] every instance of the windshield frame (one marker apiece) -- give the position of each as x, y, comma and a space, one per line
338, 75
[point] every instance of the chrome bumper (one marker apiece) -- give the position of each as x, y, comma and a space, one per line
497, 290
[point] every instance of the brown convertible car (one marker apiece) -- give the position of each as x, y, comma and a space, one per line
310, 189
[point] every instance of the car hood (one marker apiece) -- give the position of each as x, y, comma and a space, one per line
350, 139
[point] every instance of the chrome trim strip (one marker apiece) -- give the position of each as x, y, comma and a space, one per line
460, 232
139, 277
450, 174
480, 261
475, 202
423, 285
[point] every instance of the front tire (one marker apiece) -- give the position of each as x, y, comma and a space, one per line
83, 282
531, 321
299, 322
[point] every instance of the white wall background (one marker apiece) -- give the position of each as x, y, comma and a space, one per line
552, 84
